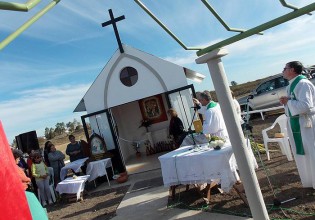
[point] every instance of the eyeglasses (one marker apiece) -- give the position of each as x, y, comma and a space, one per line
285, 68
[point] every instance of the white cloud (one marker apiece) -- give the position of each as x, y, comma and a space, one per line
39, 108
186, 60
280, 40
269, 51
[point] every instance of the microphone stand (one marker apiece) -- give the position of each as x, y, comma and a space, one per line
247, 128
189, 128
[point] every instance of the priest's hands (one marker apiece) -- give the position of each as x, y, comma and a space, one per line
196, 101
284, 100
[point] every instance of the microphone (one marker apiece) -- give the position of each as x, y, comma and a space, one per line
196, 107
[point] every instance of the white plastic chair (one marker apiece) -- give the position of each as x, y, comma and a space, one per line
51, 185
283, 142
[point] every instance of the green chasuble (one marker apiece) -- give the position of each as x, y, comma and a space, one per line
211, 105
294, 120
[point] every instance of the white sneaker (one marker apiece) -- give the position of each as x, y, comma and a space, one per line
44, 204
50, 202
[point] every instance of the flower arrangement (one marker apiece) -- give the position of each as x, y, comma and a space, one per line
216, 142
145, 123
216, 138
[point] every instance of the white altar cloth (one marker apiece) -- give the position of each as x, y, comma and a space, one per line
198, 138
186, 166
98, 168
72, 186
75, 166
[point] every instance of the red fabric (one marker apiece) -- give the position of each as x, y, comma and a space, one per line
25, 180
13, 202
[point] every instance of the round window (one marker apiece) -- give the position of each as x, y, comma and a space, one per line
129, 76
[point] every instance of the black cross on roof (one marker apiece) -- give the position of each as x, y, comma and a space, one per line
113, 22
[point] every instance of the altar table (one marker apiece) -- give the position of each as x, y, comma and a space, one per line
199, 165
98, 168
72, 185
74, 165
188, 166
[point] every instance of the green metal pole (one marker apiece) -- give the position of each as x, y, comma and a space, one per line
283, 2
164, 27
255, 30
206, 3
15, 34
18, 6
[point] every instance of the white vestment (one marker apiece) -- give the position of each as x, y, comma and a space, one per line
213, 122
304, 106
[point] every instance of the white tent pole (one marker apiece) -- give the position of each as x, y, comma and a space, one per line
248, 176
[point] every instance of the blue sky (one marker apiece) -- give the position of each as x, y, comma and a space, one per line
49, 67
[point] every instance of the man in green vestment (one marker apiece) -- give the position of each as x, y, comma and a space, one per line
213, 123
300, 109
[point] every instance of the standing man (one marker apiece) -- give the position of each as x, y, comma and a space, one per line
300, 109
213, 123
74, 149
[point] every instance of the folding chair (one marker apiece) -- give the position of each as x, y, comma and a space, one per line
282, 141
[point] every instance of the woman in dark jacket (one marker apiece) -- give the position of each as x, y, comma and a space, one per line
56, 158
176, 128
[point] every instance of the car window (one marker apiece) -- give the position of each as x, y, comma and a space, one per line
281, 82
266, 87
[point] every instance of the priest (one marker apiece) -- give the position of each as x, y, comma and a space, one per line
300, 109
213, 123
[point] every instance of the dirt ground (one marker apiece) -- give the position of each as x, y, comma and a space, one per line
100, 205
283, 183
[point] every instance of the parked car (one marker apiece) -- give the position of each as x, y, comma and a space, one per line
267, 94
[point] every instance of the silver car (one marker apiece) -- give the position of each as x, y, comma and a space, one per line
267, 94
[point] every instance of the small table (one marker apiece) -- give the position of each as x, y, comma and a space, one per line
75, 166
98, 168
72, 185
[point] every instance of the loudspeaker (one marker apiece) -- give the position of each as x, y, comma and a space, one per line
27, 141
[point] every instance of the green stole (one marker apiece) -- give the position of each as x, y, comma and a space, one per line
211, 105
294, 120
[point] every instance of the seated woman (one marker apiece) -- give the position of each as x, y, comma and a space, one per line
40, 172
56, 158
176, 128
29, 163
